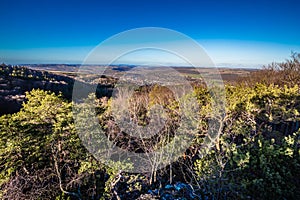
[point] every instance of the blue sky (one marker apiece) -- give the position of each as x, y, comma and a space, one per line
234, 33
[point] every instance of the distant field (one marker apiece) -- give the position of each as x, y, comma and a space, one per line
227, 74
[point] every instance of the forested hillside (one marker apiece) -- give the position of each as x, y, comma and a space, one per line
16, 80
256, 157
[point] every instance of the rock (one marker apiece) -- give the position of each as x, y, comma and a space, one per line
177, 191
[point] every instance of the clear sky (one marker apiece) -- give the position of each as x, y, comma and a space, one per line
234, 33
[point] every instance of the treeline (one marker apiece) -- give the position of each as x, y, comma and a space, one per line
284, 73
257, 155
